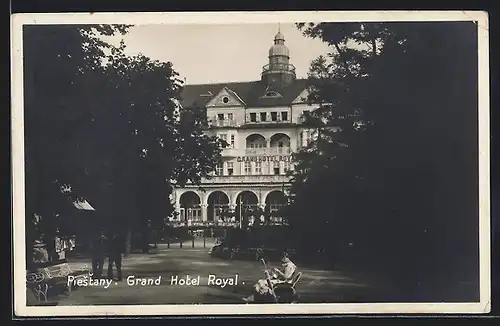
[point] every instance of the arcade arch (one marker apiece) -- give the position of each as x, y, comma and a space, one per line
281, 142
245, 201
275, 201
255, 141
190, 208
217, 201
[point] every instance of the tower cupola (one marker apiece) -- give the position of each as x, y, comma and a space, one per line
278, 72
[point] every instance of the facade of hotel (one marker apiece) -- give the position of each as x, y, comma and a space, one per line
261, 123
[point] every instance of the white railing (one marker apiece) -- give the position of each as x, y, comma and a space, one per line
268, 151
230, 152
247, 179
224, 123
268, 122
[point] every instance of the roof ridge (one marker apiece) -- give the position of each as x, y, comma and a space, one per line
223, 83
235, 82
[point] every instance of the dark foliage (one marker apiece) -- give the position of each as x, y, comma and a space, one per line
390, 181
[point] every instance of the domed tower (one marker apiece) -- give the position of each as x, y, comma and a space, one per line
278, 72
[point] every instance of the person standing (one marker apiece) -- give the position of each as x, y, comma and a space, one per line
98, 253
116, 250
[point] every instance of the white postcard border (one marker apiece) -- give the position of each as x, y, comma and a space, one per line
17, 22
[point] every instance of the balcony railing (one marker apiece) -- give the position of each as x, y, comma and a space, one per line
278, 66
269, 122
223, 123
229, 152
268, 151
280, 179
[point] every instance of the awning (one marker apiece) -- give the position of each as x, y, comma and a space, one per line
83, 205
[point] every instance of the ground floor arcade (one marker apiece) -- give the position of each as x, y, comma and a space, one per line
217, 203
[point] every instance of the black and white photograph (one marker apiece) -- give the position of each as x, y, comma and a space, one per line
264, 163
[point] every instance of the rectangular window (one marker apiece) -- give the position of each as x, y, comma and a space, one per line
232, 141
230, 116
274, 116
253, 117
230, 168
276, 167
263, 116
223, 137
284, 116
220, 116
219, 168
248, 168
258, 167
301, 138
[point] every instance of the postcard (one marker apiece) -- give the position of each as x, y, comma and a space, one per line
254, 163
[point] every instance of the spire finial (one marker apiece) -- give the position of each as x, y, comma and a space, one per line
279, 28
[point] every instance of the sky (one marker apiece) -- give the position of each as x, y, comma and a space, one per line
213, 53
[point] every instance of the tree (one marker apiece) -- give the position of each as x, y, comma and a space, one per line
387, 170
57, 61
108, 125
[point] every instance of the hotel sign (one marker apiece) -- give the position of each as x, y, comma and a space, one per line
285, 158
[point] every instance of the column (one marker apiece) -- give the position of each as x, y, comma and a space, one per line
204, 215
232, 209
177, 211
262, 206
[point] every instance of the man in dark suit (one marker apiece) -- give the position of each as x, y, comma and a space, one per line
116, 249
98, 254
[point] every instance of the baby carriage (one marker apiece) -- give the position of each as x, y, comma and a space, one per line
283, 292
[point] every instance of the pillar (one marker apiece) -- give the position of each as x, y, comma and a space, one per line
177, 212
204, 215
262, 206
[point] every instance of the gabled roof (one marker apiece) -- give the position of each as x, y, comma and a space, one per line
216, 100
250, 93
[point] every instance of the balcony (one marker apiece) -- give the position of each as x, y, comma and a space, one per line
230, 152
268, 151
278, 67
214, 123
235, 179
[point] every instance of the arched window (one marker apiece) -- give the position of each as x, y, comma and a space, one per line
272, 94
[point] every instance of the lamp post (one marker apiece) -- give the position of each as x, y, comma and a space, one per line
241, 217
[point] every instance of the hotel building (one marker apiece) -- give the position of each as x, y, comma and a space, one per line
261, 123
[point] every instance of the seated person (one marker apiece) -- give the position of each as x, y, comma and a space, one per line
277, 276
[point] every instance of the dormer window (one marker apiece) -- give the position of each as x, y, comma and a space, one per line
272, 94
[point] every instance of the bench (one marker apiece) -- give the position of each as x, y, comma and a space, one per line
51, 277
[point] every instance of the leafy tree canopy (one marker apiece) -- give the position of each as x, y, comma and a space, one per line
392, 166
107, 127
